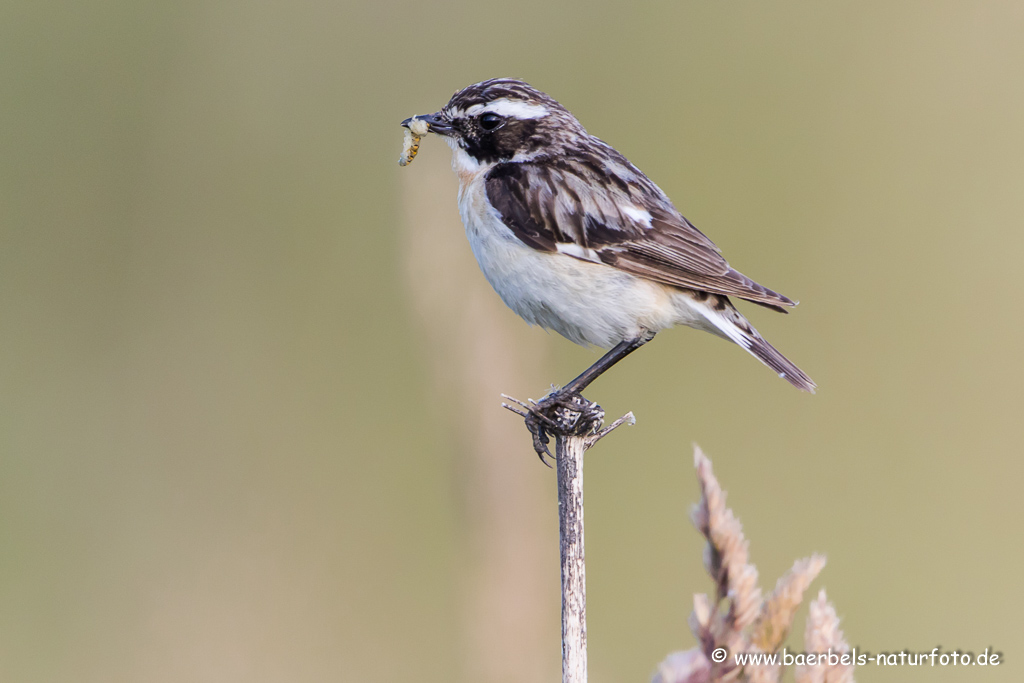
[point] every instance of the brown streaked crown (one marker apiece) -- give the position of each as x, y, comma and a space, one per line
511, 89
531, 124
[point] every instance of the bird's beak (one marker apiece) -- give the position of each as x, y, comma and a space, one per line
435, 123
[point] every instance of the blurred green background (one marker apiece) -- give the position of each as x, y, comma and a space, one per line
249, 424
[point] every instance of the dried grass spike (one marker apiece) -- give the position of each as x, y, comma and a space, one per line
822, 635
689, 666
726, 556
776, 618
745, 596
763, 673
702, 609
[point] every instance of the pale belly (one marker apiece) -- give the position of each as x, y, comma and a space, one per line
588, 303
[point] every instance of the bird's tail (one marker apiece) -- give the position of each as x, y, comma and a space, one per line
727, 322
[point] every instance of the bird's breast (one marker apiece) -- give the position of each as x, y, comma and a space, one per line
588, 303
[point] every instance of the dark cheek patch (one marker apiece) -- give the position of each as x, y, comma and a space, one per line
504, 143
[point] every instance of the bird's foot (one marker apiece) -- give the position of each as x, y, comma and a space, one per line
561, 413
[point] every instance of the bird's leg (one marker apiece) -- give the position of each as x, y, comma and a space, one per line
565, 410
618, 352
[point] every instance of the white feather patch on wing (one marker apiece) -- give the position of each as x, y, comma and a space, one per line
639, 215
580, 252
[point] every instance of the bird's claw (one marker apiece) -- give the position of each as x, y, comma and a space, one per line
540, 438
562, 413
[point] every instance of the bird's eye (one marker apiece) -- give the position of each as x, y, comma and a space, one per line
490, 121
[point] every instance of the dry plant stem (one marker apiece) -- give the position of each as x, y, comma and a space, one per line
575, 431
569, 452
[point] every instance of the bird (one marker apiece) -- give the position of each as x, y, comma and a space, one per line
576, 239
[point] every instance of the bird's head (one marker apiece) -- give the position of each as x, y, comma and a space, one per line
503, 119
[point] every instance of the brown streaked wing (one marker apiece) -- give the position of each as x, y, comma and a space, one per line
587, 202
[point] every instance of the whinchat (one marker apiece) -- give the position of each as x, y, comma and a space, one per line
574, 238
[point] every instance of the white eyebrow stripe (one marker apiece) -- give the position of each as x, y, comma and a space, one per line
580, 252
516, 109
639, 215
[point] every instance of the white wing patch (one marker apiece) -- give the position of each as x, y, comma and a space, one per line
580, 252
639, 215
